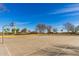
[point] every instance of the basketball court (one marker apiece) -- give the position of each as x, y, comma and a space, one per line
27, 45
4, 51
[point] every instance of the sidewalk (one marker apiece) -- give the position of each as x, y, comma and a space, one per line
4, 50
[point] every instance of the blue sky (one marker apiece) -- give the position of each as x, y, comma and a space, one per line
28, 15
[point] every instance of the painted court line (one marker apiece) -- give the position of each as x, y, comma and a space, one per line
7, 50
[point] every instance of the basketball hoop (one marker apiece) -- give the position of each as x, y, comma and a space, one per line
11, 25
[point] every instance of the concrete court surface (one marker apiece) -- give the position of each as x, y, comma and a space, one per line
40, 45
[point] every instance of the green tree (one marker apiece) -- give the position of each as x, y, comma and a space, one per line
13, 30
6, 30
17, 30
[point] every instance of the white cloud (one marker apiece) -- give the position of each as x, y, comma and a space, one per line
72, 14
70, 8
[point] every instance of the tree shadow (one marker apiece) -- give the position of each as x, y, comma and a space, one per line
58, 50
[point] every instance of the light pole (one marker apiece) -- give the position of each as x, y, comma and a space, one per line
3, 33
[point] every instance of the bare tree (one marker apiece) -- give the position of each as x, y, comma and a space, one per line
77, 29
49, 28
69, 27
55, 30
61, 30
41, 28
24, 30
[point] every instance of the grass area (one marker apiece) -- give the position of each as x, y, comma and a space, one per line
8, 36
